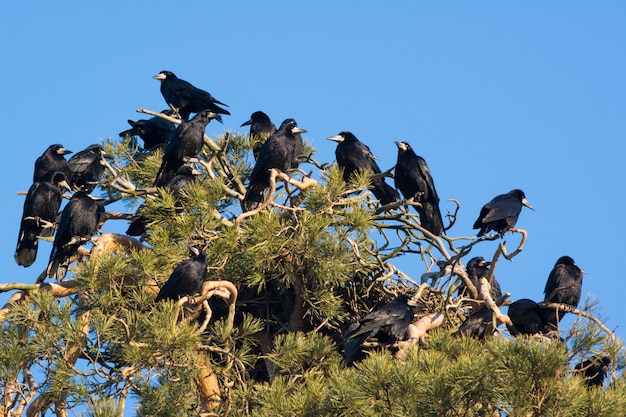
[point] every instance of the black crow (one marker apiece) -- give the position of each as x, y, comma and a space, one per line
564, 286
352, 155
478, 324
187, 278
527, 317
51, 161
184, 98
261, 127
279, 152
413, 179
79, 221
41, 208
478, 268
154, 132
388, 323
187, 142
87, 168
181, 181
501, 213
594, 370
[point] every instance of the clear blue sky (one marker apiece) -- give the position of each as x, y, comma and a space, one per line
494, 95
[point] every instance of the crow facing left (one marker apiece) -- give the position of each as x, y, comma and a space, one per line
413, 179
184, 98
353, 155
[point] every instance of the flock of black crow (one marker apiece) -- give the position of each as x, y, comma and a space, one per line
280, 149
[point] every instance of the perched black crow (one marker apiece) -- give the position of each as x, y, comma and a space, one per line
87, 168
261, 127
388, 323
187, 277
184, 98
564, 286
413, 179
41, 208
594, 370
187, 142
527, 317
501, 213
154, 132
352, 155
279, 152
79, 221
479, 324
51, 161
181, 181
478, 268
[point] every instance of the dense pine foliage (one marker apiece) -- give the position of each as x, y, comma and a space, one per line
264, 337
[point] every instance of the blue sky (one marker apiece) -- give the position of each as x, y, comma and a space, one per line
494, 95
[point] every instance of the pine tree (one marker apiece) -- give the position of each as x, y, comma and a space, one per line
264, 336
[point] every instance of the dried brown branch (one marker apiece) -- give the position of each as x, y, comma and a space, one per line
519, 247
485, 294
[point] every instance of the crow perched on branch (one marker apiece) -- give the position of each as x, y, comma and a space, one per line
352, 155
479, 324
478, 268
187, 142
41, 208
594, 370
564, 286
527, 317
261, 127
413, 179
501, 213
388, 323
279, 152
87, 168
51, 161
184, 98
187, 278
181, 181
79, 221
154, 131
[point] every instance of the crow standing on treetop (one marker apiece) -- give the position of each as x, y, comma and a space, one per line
79, 222
40, 207
501, 213
187, 278
388, 323
527, 317
352, 155
184, 98
187, 142
564, 286
279, 152
154, 132
413, 179
52, 161
87, 167
261, 127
